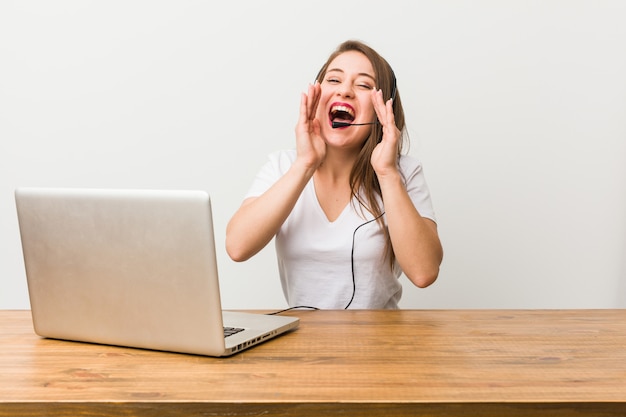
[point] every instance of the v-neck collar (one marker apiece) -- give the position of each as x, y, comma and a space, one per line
319, 208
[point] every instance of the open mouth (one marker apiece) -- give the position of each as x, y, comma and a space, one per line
341, 113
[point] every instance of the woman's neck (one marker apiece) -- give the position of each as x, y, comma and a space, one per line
337, 167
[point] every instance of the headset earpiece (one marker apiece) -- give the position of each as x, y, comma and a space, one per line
393, 85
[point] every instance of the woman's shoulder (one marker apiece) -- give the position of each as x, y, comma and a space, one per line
409, 164
280, 161
283, 156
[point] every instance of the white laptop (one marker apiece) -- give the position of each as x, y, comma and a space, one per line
131, 268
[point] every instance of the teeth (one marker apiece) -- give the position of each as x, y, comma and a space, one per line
344, 109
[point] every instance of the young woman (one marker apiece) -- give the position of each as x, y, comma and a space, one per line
348, 210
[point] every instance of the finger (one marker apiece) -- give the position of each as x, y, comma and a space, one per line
391, 118
379, 106
317, 93
313, 100
384, 110
303, 108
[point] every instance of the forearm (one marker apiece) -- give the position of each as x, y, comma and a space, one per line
258, 219
414, 239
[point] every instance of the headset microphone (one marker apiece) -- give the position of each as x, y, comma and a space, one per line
345, 124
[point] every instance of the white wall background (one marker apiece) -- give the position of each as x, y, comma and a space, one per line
516, 108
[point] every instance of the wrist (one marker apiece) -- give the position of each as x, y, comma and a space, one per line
389, 177
303, 168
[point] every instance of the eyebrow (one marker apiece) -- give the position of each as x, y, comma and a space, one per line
364, 74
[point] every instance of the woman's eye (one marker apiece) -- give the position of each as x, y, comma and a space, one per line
332, 80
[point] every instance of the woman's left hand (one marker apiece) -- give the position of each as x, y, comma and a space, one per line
385, 155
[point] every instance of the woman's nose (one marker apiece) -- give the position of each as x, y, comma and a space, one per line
345, 90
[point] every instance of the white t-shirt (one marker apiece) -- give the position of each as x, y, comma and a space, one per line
316, 256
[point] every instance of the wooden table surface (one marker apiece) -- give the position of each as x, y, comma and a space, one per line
383, 363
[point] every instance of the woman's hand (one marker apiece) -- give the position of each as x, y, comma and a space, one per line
385, 155
310, 146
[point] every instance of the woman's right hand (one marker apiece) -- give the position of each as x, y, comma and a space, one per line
258, 219
310, 146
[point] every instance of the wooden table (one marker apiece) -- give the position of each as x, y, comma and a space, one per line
338, 363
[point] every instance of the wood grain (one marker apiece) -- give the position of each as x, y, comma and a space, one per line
406, 362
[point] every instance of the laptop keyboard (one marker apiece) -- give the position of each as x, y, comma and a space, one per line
229, 331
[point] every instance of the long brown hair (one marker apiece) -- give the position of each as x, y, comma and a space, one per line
362, 177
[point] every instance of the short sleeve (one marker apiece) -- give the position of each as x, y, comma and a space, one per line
416, 186
277, 165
